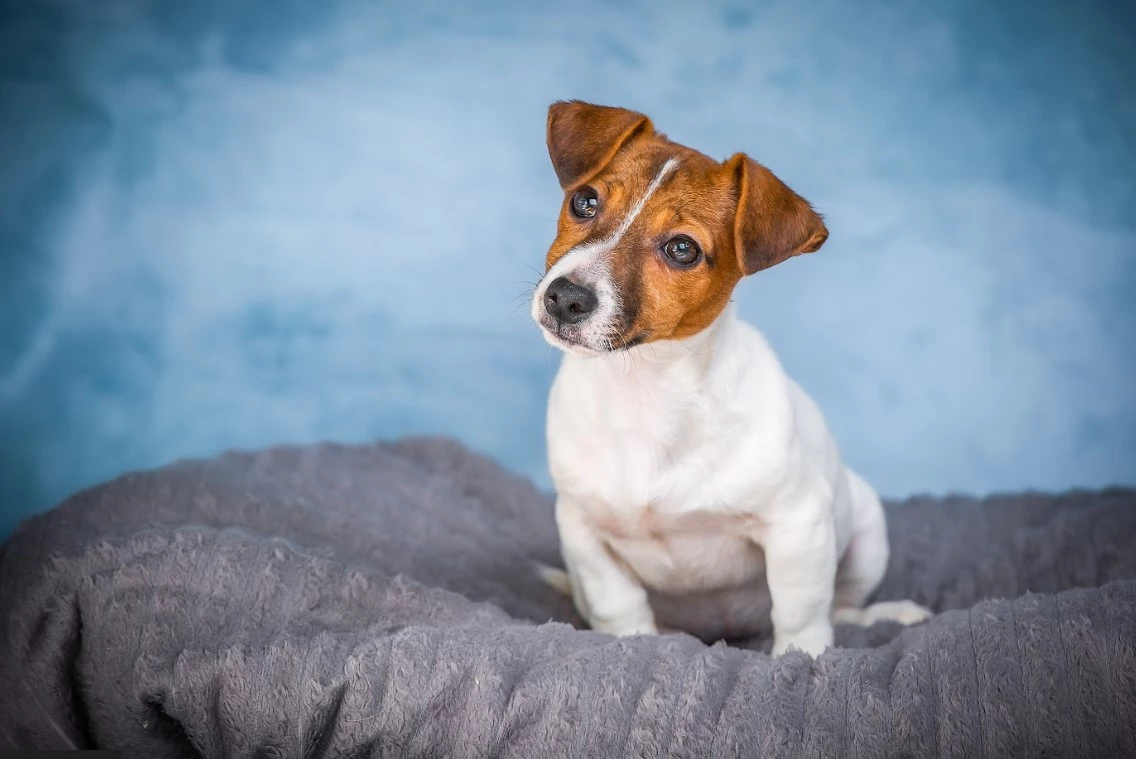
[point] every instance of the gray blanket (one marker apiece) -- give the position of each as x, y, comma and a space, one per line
378, 601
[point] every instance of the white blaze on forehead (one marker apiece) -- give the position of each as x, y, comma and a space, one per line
589, 265
615, 237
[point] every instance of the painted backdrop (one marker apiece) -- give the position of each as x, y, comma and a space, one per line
234, 224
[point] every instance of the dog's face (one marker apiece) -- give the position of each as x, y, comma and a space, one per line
653, 236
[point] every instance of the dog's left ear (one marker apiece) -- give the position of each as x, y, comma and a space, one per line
583, 138
772, 223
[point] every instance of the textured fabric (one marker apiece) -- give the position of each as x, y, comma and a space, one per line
369, 601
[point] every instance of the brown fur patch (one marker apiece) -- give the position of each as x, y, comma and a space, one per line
583, 138
742, 217
773, 222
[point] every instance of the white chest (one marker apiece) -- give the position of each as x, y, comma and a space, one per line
630, 445
664, 473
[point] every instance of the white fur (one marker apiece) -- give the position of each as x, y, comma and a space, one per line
587, 265
698, 488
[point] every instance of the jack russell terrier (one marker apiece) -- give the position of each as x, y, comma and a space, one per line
698, 487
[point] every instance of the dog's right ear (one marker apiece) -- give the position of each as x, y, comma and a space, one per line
583, 138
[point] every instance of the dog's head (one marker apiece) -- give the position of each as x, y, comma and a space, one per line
653, 236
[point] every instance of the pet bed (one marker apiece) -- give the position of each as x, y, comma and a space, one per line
379, 601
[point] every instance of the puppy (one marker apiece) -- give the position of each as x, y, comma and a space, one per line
698, 487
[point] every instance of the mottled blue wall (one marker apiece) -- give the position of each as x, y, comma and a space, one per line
236, 224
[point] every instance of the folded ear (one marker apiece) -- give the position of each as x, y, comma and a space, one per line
772, 223
583, 138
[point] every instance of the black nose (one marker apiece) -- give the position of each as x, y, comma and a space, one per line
569, 302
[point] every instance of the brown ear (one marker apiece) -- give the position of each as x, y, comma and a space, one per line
772, 223
583, 138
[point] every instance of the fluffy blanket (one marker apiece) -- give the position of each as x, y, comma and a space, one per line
379, 601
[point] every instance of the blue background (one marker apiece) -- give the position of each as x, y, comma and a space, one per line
238, 224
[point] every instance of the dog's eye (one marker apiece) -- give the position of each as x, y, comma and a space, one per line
682, 250
585, 202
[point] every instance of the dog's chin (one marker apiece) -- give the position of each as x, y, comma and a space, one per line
570, 338
569, 343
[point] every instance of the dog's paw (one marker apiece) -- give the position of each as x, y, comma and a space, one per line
909, 612
903, 612
812, 641
624, 628
629, 630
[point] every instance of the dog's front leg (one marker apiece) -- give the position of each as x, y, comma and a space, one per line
800, 566
604, 591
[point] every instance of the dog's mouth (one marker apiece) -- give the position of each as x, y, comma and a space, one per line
627, 343
568, 337
571, 339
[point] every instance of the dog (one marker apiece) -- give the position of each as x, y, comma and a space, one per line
698, 488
